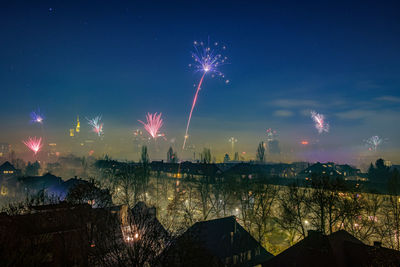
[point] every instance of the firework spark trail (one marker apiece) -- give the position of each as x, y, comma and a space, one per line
206, 60
320, 123
153, 124
191, 110
374, 142
34, 144
37, 117
96, 125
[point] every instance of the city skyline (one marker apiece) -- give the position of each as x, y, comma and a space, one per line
125, 60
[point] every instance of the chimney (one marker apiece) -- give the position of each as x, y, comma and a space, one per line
377, 244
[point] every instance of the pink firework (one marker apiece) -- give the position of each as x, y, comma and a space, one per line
206, 60
153, 124
96, 124
34, 144
271, 134
320, 124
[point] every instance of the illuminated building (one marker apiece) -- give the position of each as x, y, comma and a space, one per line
7, 170
78, 125
4, 149
71, 132
52, 150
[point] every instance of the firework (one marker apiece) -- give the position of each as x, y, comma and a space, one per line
37, 117
34, 144
153, 124
206, 60
373, 142
319, 120
271, 134
97, 126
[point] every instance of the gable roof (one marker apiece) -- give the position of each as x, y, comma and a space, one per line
225, 237
7, 166
40, 182
338, 249
145, 219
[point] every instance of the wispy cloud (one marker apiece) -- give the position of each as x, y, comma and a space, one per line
295, 103
355, 114
389, 98
367, 85
283, 113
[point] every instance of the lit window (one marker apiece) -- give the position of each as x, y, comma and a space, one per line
235, 259
257, 251
4, 191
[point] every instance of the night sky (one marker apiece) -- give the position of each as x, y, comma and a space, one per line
123, 59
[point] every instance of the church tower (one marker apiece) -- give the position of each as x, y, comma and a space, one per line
78, 125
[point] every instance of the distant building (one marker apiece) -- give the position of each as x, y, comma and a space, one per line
8, 181
273, 147
337, 249
331, 169
251, 171
187, 168
219, 242
8, 170
78, 125
227, 158
4, 149
52, 184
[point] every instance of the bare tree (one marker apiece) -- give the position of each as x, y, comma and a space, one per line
391, 213
293, 212
323, 203
257, 200
261, 153
206, 155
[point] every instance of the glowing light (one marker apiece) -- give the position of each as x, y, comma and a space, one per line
34, 144
97, 126
206, 60
373, 142
232, 140
153, 124
37, 117
304, 142
319, 120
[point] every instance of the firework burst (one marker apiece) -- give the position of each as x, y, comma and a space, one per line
320, 124
374, 142
233, 140
207, 59
37, 117
34, 144
96, 124
153, 124
271, 134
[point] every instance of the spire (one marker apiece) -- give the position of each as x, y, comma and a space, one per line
78, 125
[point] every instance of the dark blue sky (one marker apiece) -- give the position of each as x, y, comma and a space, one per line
125, 58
